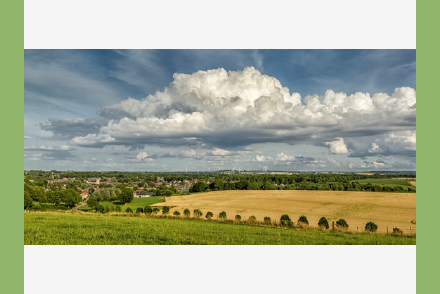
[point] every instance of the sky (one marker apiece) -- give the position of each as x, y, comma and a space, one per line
172, 110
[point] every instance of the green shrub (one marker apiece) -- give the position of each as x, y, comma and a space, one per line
148, 210
107, 209
129, 210
303, 219
139, 210
165, 210
155, 210
222, 215
285, 219
118, 208
112, 208
323, 223
370, 226
186, 212
176, 213
209, 215
197, 213
397, 231
252, 219
341, 223
100, 208
238, 217
267, 220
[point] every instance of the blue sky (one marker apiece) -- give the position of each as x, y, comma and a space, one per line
305, 110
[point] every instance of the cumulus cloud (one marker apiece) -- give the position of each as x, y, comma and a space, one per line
220, 109
337, 147
141, 155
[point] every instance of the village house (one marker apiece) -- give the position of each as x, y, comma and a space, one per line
141, 194
93, 181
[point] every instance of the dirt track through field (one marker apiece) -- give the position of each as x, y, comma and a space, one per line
357, 208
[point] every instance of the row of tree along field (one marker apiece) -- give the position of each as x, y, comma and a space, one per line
284, 221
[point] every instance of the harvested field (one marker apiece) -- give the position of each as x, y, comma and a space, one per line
357, 208
413, 183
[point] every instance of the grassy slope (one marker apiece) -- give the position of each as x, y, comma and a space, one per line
385, 182
135, 203
94, 229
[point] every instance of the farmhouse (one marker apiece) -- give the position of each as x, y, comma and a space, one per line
141, 194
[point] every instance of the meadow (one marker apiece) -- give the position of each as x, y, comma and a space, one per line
74, 229
386, 182
357, 208
135, 203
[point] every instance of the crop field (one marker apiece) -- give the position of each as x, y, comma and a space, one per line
357, 208
73, 229
135, 203
386, 182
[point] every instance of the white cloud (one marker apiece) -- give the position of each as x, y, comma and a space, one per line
239, 108
337, 147
284, 157
141, 155
374, 148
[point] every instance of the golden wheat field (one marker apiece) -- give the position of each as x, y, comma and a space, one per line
357, 208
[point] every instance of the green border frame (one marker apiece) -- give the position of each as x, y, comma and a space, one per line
12, 32
428, 201
12, 122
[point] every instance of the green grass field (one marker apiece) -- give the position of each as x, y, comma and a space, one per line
386, 182
135, 203
66, 228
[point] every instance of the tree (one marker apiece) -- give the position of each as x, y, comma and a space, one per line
209, 215
238, 218
165, 210
54, 197
397, 231
100, 208
370, 226
92, 202
267, 220
176, 213
341, 223
186, 212
107, 209
139, 210
199, 187
303, 219
71, 197
252, 219
118, 208
126, 195
28, 202
323, 223
197, 213
156, 210
129, 210
35, 192
222, 215
148, 210
285, 220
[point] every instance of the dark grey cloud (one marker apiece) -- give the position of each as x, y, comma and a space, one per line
63, 129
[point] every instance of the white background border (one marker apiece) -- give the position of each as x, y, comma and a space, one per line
220, 24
